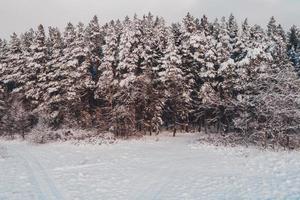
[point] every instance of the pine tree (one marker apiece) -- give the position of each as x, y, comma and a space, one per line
55, 78
80, 76
176, 30
245, 35
270, 108
277, 41
192, 49
56, 43
130, 51
36, 68
294, 47
4, 51
94, 36
234, 39
15, 62
58, 82
293, 38
294, 58
107, 85
271, 27
141, 75
177, 94
107, 69
69, 79
205, 26
154, 42
3, 109
69, 65
26, 41
127, 71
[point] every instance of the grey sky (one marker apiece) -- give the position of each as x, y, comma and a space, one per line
20, 15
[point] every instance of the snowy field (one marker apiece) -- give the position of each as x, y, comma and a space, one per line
168, 168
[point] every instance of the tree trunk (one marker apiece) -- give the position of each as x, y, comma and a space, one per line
151, 128
174, 131
265, 140
200, 126
288, 142
187, 128
157, 131
23, 134
205, 126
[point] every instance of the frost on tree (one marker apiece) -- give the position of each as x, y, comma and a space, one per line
270, 109
107, 85
140, 75
177, 93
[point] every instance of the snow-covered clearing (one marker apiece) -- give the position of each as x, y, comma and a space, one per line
168, 168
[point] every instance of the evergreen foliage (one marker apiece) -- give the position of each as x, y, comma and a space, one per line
140, 75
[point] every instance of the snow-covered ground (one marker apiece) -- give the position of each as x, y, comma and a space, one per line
168, 168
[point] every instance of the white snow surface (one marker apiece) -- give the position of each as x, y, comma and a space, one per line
150, 168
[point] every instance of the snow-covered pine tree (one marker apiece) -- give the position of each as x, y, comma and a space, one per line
27, 39
127, 71
232, 69
14, 119
176, 30
294, 38
176, 108
211, 101
26, 42
194, 46
80, 83
207, 68
209, 77
277, 41
94, 36
190, 39
107, 69
60, 97
130, 50
35, 69
4, 51
271, 27
14, 64
236, 46
52, 98
193, 71
256, 57
143, 82
294, 47
205, 26
56, 43
3, 109
271, 113
68, 78
155, 38
70, 65
223, 45
107, 85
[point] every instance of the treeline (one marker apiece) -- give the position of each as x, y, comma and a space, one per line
142, 75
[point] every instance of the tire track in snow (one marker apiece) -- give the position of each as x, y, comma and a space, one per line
46, 189
32, 177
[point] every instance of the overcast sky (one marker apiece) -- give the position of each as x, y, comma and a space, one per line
20, 15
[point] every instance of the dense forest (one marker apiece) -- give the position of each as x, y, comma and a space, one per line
142, 75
